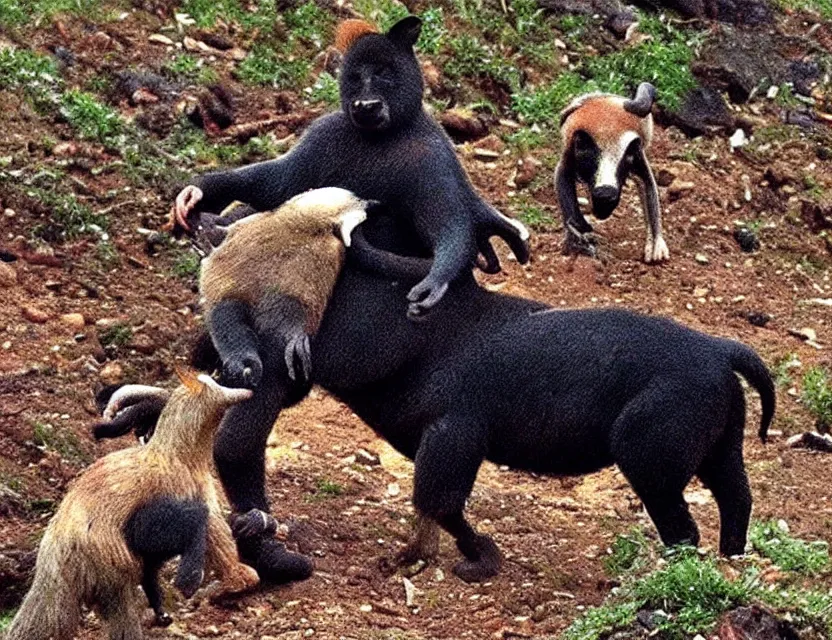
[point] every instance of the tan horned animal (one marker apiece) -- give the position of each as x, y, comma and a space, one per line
127, 514
278, 264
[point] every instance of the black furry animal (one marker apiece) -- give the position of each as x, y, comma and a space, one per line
382, 146
496, 377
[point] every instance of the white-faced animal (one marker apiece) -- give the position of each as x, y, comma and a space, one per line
605, 140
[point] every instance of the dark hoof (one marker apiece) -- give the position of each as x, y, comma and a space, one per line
252, 523
272, 562
486, 566
162, 619
583, 246
242, 373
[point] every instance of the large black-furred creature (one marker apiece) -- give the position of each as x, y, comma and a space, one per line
382, 146
496, 377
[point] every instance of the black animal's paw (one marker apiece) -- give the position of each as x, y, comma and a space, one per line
584, 244
272, 562
481, 568
242, 372
423, 297
298, 347
188, 581
252, 523
162, 619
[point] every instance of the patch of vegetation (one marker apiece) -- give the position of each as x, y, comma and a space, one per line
543, 105
92, 119
472, 59
34, 74
107, 254
781, 369
383, 13
191, 68
186, 264
529, 138
599, 622
532, 215
433, 31
15, 13
206, 12
325, 90
267, 66
772, 540
310, 24
62, 441
817, 397
821, 7
117, 335
6, 617
68, 218
326, 489
629, 552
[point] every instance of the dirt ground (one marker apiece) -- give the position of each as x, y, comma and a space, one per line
348, 516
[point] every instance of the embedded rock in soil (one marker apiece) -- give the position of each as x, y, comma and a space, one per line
816, 215
74, 321
747, 240
8, 276
463, 126
112, 373
702, 111
33, 314
754, 623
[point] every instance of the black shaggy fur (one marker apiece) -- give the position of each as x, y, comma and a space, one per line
382, 146
490, 376
161, 530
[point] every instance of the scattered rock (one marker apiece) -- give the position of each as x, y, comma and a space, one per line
111, 373
74, 321
409, 592
817, 215
811, 440
754, 623
393, 489
362, 456
8, 275
702, 111
527, 170
806, 333
142, 343
747, 240
738, 139
463, 126
215, 40
701, 258
144, 87
33, 314
665, 177
158, 38
619, 23
679, 189
757, 318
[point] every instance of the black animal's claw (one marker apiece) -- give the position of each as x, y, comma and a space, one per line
189, 583
423, 297
298, 345
252, 523
243, 372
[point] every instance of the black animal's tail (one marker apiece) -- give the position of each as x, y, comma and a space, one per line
748, 364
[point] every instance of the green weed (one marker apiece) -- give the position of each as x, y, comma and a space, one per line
326, 489
34, 74
470, 58
15, 13
266, 66
107, 254
62, 441
186, 265
191, 68
325, 90
599, 622
543, 105
772, 540
68, 218
817, 397
383, 13
309, 23
6, 617
532, 215
433, 31
92, 119
821, 7
117, 335
630, 552
782, 367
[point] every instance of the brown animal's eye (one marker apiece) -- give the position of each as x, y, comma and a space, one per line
583, 142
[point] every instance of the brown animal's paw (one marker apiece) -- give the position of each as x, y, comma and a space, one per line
252, 523
241, 580
486, 566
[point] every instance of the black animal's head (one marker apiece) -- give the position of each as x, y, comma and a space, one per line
381, 82
606, 135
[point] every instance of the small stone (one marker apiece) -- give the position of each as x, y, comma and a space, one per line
463, 125
365, 608
679, 190
738, 139
393, 489
527, 170
665, 177
33, 314
438, 575
369, 458
142, 343
7, 345
8, 276
757, 318
158, 38
144, 96
806, 333
409, 592
111, 373
74, 321
9, 213
486, 154
701, 258
747, 240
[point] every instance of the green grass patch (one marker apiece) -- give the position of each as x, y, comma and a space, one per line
772, 540
434, 33
6, 618
599, 622
310, 24
17, 13
542, 105
117, 335
628, 553
191, 68
107, 254
821, 7
68, 218
186, 264
33, 74
325, 91
383, 13
782, 368
817, 397
266, 66
532, 214
471, 58
326, 489
91, 119
62, 441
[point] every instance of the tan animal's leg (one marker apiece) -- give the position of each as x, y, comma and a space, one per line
235, 577
120, 608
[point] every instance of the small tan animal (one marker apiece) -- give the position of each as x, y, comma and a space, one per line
605, 139
285, 263
127, 514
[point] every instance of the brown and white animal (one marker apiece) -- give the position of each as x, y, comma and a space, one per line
286, 260
127, 514
605, 140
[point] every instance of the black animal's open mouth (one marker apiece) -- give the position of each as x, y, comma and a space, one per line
603, 209
370, 120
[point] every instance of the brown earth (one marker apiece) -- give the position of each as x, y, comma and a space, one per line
553, 532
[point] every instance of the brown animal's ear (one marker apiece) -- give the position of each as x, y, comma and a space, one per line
351, 30
189, 378
406, 31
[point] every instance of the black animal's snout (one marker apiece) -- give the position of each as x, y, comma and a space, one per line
369, 114
367, 107
604, 201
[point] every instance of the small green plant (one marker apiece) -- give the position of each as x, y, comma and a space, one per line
533, 215
67, 219
6, 617
91, 119
186, 265
629, 552
543, 105
599, 622
266, 66
191, 68
326, 489
817, 397
470, 58
433, 31
325, 90
15, 13
117, 335
383, 13
782, 367
107, 254
813, 188
821, 7
309, 23
206, 12
34, 74
772, 540
62, 441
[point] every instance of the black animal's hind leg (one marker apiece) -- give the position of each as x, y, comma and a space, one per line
724, 474
191, 569
150, 584
231, 329
446, 466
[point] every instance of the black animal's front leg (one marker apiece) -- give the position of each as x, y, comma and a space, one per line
655, 248
230, 326
191, 569
575, 226
446, 465
150, 584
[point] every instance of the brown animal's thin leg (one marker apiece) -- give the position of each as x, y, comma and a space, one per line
235, 576
121, 611
424, 545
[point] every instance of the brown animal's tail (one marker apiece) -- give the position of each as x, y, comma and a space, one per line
748, 364
52, 608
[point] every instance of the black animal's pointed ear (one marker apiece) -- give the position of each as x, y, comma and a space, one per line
406, 31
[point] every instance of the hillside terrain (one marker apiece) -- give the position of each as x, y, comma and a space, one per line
107, 106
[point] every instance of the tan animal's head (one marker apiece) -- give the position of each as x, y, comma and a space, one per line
604, 134
194, 411
342, 208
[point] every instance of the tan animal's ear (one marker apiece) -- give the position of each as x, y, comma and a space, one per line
189, 378
351, 30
